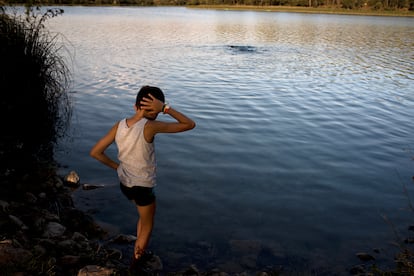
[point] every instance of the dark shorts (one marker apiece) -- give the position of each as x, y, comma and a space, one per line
142, 196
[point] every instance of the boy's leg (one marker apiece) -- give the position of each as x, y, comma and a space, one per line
144, 228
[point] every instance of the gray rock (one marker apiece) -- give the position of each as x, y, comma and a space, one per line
39, 224
114, 253
365, 257
18, 222
79, 237
30, 198
124, 238
58, 182
4, 206
72, 178
94, 270
192, 270
54, 229
67, 245
39, 250
13, 255
8, 241
155, 263
49, 216
69, 260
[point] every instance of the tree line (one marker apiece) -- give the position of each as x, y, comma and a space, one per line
344, 4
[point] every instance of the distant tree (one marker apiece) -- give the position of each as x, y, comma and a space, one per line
348, 4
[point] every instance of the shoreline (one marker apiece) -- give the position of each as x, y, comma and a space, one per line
310, 10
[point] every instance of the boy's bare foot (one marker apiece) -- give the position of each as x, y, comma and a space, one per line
139, 265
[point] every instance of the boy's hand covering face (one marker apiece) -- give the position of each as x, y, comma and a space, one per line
151, 104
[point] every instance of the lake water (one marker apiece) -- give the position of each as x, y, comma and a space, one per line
304, 137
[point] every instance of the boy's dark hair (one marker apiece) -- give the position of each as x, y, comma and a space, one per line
145, 90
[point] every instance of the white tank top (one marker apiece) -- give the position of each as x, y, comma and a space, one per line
137, 157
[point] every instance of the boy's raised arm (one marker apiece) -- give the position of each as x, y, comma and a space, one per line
183, 123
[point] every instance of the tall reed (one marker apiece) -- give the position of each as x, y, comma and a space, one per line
35, 107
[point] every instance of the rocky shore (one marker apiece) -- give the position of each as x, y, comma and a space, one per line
42, 233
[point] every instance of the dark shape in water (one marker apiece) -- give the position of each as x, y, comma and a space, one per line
91, 186
365, 257
242, 48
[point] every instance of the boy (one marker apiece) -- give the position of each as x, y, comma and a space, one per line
134, 137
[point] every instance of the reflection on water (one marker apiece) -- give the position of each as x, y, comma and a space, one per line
303, 139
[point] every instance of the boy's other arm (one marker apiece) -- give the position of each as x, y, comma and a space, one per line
98, 150
183, 123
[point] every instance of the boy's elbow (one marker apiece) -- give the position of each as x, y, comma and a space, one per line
184, 126
93, 154
192, 125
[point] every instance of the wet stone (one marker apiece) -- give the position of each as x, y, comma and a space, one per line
54, 229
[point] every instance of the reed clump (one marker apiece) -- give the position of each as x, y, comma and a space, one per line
35, 107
